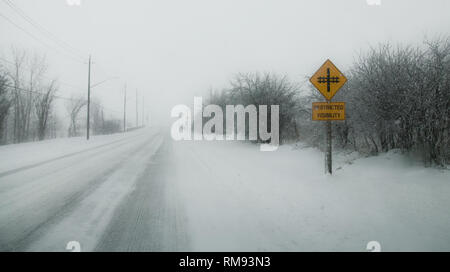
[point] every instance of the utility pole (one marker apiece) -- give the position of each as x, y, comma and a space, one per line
125, 110
143, 111
137, 119
88, 99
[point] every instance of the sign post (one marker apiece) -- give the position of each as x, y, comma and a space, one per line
329, 147
328, 80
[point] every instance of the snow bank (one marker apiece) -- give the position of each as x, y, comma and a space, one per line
15, 156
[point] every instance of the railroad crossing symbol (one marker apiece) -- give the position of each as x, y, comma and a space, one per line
328, 80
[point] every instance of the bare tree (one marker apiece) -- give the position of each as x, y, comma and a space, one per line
398, 98
37, 68
74, 106
98, 119
26, 76
264, 89
18, 96
5, 104
43, 103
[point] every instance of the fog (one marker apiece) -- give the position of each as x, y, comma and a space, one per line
171, 50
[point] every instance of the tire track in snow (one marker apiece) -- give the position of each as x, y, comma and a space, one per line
27, 177
27, 217
89, 217
151, 217
19, 169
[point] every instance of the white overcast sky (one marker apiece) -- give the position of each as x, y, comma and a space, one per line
170, 50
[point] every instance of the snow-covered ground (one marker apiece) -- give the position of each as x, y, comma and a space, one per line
238, 198
16, 156
143, 191
68, 193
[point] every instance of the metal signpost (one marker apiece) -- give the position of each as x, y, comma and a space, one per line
328, 80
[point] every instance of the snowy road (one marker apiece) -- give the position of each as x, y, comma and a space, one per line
142, 191
107, 197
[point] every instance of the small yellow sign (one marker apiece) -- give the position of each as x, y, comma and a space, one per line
324, 111
328, 80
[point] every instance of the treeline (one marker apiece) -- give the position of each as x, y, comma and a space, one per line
397, 97
27, 104
263, 89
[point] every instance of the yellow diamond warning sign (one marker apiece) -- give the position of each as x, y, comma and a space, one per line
328, 80
324, 111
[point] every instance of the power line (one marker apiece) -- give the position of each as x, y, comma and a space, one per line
41, 29
37, 39
63, 46
29, 69
58, 97
36, 92
59, 82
